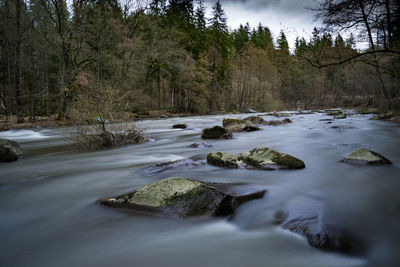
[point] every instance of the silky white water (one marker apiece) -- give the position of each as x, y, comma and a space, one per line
49, 215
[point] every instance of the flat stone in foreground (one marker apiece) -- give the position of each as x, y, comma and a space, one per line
182, 197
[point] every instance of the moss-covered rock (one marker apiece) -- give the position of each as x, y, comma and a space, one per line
224, 159
259, 158
268, 159
9, 150
216, 132
364, 156
180, 126
182, 197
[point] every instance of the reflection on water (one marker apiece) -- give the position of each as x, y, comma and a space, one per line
49, 215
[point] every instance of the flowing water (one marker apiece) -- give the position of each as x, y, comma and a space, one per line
49, 215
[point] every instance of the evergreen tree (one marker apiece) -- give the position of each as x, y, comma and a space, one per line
282, 42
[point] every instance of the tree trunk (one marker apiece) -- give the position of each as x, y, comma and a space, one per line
20, 118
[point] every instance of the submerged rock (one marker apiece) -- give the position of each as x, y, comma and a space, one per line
260, 158
182, 197
216, 132
199, 145
9, 150
323, 236
180, 126
179, 164
364, 156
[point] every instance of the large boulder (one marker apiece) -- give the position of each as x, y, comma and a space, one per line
259, 158
216, 132
177, 164
9, 150
364, 156
333, 112
182, 197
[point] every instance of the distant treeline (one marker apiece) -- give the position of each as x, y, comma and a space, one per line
105, 57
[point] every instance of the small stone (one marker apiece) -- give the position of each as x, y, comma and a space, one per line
180, 126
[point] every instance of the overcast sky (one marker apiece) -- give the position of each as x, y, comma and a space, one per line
277, 15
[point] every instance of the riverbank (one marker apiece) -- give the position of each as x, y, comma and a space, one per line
10, 122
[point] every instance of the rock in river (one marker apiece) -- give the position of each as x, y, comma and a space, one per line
216, 132
259, 158
9, 150
177, 164
180, 126
249, 110
324, 236
364, 156
182, 197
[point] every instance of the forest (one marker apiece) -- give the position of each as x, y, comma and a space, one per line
112, 59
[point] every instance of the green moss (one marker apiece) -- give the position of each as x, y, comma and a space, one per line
166, 192
288, 160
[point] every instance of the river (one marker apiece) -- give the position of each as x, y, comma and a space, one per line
49, 215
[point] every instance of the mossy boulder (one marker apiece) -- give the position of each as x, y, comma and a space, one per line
364, 156
268, 159
259, 158
216, 132
182, 197
9, 150
224, 159
180, 126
